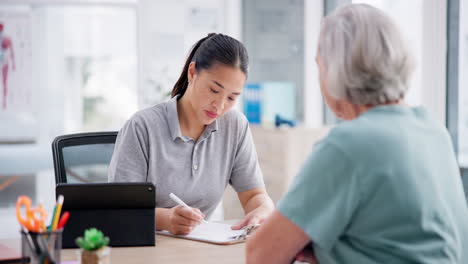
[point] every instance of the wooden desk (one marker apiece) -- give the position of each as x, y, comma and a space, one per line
167, 250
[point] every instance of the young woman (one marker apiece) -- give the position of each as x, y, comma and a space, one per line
195, 144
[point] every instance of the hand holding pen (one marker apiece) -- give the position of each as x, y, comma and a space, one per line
183, 219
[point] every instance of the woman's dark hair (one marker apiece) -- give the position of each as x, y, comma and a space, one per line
210, 50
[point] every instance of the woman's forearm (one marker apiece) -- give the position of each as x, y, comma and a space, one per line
259, 200
162, 219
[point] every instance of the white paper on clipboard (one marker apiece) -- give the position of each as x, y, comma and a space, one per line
211, 232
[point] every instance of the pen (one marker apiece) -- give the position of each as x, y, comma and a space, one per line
63, 220
29, 240
57, 212
45, 256
49, 227
180, 202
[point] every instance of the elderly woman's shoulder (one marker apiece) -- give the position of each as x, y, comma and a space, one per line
346, 129
356, 139
387, 131
357, 132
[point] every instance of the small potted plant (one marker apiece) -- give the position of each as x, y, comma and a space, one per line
93, 247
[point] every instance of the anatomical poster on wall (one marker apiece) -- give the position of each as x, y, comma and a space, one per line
16, 89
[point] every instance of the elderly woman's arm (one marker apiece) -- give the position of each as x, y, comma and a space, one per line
278, 240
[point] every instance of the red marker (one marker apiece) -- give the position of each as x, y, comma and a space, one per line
63, 220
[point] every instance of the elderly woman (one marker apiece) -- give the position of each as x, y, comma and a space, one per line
383, 186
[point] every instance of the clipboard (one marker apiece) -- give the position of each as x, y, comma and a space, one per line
214, 233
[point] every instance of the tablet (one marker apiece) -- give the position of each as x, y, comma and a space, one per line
124, 212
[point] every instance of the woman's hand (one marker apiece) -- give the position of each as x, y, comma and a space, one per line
183, 220
257, 206
255, 217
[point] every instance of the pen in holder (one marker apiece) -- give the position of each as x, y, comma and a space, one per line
43, 247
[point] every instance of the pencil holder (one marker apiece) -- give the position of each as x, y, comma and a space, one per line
41, 248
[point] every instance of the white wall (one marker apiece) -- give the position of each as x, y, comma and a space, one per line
313, 103
168, 29
433, 61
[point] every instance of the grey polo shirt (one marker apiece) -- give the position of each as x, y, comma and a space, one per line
151, 147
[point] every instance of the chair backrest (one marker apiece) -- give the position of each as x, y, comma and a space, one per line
83, 157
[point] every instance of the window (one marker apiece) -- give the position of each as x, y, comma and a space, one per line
99, 53
79, 60
74, 69
462, 86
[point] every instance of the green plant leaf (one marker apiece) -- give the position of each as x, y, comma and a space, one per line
93, 239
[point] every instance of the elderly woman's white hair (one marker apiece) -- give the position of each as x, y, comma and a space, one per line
364, 55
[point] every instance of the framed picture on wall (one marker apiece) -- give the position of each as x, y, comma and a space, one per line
17, 105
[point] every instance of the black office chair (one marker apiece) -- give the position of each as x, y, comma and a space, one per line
83, 157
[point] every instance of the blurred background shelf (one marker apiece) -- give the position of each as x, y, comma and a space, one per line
281, 153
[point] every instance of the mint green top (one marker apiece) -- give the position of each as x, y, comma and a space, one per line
383, 188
